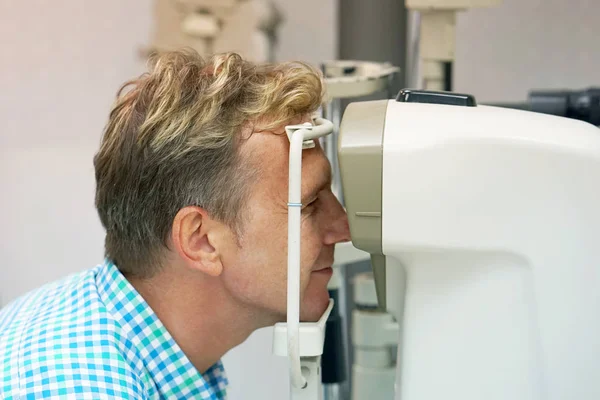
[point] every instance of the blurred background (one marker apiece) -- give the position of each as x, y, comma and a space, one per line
62, 62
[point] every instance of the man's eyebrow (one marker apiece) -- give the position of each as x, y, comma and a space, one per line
325, 180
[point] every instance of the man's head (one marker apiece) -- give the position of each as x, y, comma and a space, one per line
192, 174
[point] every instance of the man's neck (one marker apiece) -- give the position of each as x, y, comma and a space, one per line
200, 315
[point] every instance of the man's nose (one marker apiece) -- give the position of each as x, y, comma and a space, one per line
338, 230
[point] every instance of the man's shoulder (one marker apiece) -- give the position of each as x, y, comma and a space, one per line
52, 299
59, 341
51, 378
47, 314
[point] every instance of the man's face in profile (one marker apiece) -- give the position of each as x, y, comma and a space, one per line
255, 272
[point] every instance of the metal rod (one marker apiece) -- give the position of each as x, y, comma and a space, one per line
331, 392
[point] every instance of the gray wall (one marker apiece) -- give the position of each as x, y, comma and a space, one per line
373, 30
504, 52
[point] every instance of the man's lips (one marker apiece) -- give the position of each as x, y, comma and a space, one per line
324, 270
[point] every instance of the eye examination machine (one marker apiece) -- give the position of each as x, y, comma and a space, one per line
483, 227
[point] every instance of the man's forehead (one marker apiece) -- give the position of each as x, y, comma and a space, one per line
268, 154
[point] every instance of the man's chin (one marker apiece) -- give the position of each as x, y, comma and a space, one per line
311, 312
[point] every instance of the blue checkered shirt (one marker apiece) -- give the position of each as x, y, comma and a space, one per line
92, 336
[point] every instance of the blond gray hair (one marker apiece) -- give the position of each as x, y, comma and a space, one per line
172, 140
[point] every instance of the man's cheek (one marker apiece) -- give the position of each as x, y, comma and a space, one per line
307, 269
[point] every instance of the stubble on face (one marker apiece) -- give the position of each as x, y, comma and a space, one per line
257, 272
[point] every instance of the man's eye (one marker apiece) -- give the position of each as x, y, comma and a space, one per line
310, 206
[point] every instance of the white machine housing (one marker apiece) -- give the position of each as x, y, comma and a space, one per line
486, 245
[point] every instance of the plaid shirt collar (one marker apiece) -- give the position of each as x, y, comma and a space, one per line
173, 374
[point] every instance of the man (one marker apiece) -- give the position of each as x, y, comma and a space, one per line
192, 191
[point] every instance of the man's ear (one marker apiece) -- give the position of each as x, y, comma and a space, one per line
191, 236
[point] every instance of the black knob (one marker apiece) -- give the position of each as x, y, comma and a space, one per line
431, 97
